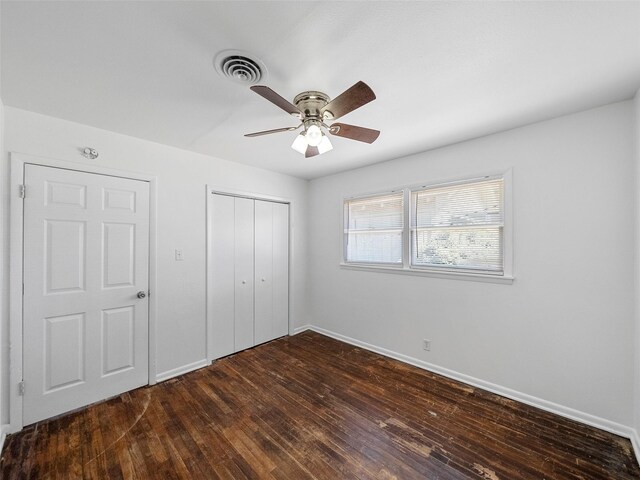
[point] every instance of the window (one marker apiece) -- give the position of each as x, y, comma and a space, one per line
373, 229
454, 228
459, 226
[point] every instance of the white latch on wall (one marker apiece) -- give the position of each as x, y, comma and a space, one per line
21, 389
22, 191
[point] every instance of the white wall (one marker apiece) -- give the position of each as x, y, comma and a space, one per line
4, 304
4, 318
182, 177
636, 380
563, 331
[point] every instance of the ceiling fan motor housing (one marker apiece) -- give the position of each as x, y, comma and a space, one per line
311, 104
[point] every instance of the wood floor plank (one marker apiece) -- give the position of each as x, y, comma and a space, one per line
310, 407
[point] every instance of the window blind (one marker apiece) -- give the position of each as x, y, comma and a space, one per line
459, 226
373, 229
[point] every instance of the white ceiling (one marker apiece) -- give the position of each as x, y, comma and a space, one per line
442, 71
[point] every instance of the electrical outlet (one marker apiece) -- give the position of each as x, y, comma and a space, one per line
426, 344
179, 255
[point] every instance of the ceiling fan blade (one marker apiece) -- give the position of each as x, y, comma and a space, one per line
276, 99
267, 132
354, 133
311, 152
358, 95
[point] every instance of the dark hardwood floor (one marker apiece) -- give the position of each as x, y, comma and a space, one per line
312, 407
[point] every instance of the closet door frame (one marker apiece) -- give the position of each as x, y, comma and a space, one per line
213, 189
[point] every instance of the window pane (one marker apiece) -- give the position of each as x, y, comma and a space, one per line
459, 226
375, 247
478, 203
466, 248
374, 228
383, 212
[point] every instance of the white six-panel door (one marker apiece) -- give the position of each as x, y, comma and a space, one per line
86, 254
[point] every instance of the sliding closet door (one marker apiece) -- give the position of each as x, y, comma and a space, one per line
244, 274
271, 270
221, 333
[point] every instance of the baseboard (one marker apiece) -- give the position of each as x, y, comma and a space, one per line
563, 411
635, 443
181, 370
301, 329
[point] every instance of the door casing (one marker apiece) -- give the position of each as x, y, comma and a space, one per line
15, 280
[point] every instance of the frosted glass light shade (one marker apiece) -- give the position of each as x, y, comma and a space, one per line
324, 145
314, 135
300, 144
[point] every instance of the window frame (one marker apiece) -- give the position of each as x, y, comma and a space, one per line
345, 228
505, 277
448, 268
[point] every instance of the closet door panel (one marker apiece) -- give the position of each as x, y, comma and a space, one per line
244, 273
280, 270
221, 332
264, 271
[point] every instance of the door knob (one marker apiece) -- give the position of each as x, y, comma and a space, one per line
141, 294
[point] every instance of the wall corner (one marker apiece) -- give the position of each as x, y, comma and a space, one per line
636, 357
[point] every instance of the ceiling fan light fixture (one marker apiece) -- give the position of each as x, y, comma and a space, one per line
300, 144
313, 108
314, 135
325, 145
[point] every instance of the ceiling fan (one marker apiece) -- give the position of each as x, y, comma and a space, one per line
313, 109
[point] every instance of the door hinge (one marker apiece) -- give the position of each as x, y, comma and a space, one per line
21, 389
22, 191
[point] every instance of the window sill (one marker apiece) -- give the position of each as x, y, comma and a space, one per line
473, 277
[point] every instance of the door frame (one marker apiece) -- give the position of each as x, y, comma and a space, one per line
16, 239
211, 189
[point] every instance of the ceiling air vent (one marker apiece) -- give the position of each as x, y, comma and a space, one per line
239, 67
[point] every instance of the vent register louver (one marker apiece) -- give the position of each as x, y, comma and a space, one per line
239, 67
